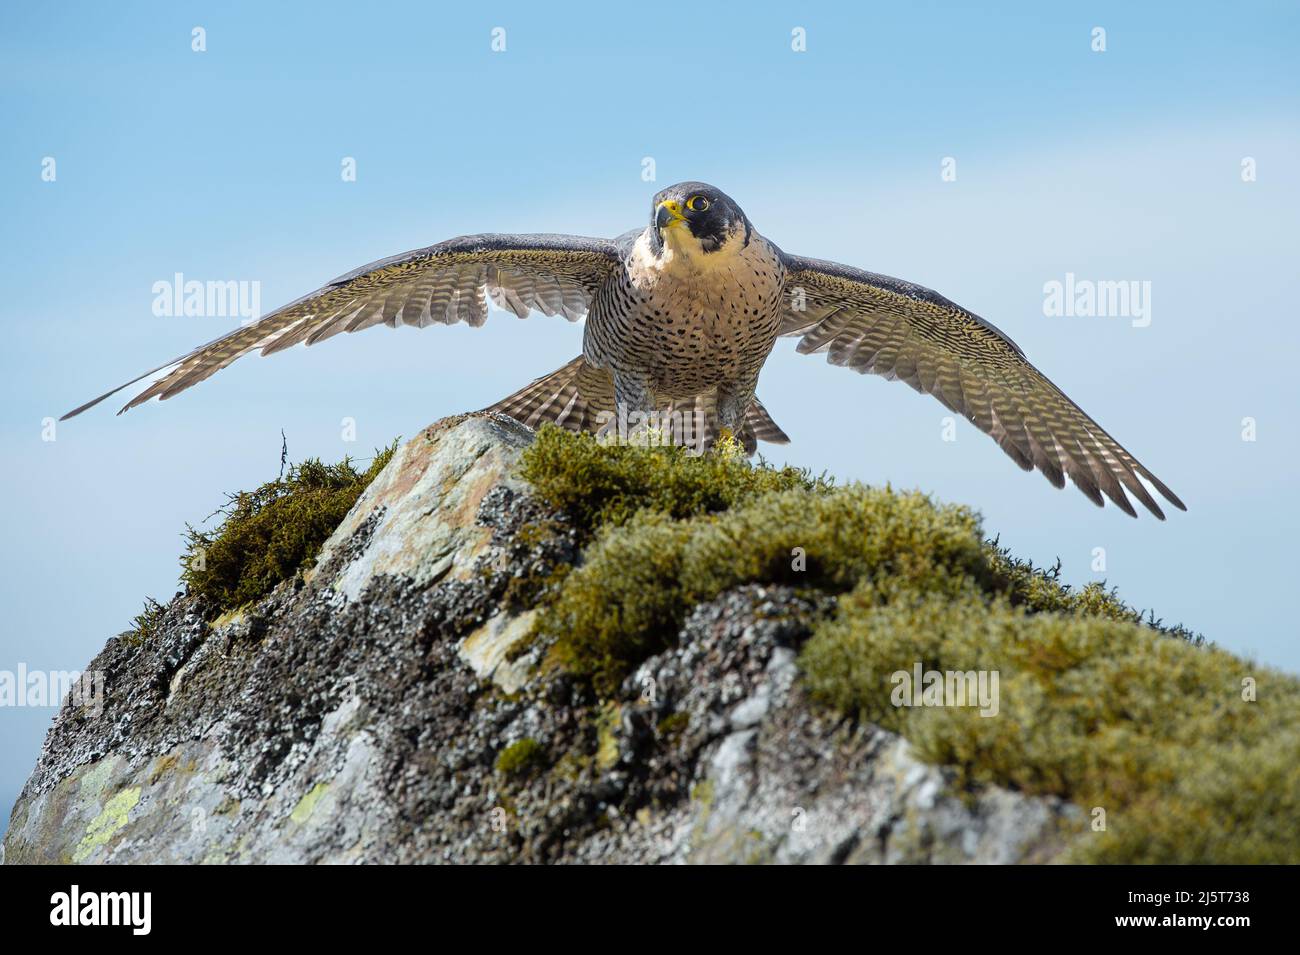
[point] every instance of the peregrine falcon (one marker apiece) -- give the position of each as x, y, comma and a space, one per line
681, 316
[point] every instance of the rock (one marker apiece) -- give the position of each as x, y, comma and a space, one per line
357, 714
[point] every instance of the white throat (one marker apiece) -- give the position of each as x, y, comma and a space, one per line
681, 252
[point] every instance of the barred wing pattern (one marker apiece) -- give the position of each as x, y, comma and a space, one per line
885, 326
442, 284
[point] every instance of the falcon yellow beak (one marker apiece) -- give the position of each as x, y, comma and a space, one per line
669, 214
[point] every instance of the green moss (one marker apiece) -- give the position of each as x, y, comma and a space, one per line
639, 580
670, 531
830, 541
596, 484
521, 759
1096, 703
273, 532
1103, 712
624, 604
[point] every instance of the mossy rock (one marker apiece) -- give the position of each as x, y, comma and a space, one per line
272, 533
1100, 703
1107, 713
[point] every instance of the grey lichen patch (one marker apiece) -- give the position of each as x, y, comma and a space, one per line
92, 781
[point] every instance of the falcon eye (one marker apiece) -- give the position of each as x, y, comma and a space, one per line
697, 204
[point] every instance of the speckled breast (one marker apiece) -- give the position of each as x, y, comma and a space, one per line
690, 328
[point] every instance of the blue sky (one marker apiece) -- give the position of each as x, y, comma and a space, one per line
1123, 165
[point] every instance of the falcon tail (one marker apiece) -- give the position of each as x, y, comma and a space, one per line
579, 397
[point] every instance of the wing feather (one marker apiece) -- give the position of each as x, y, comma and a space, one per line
885, 326
445, 283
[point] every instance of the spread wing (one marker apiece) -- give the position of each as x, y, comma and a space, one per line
443, 284
874, 323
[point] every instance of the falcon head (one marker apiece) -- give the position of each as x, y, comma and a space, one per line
695, 218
